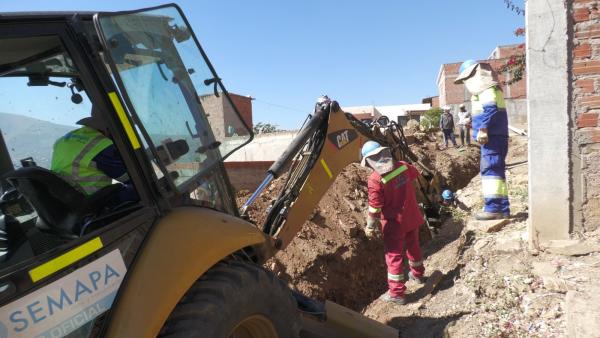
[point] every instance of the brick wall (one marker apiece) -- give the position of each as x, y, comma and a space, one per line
221, 114
244, 106
585, 109
247, 175
453, 94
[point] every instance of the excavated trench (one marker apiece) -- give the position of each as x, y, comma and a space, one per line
331, 258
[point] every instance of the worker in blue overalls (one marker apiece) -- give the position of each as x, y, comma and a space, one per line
490, 130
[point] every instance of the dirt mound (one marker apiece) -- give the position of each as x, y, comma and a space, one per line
457, 165
331, 258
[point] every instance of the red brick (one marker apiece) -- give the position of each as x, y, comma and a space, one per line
582, 51
588, 135
587, 120
591, 101
581, 14
590, 32
586, 86
588, 67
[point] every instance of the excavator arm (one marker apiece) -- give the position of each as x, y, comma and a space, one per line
329, 141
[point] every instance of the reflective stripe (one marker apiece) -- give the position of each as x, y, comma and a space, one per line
397, 278
89, 179
493, 187
393, 174
135, 143
65, 259
90, 189
374, 210
82, 153
415, 263
73, 156
326, 168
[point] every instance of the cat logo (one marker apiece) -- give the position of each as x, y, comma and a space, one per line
343, 137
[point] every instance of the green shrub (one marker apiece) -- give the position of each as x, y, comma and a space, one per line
431, 118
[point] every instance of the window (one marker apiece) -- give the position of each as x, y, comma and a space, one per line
43, 107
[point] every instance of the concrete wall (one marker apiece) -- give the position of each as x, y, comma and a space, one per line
264, 147
247, 167
584, 52
517, 112
548, 120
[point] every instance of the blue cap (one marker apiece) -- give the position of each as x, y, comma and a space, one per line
368, 147
465, 71
447, 194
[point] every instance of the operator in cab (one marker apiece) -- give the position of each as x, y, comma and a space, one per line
88, 158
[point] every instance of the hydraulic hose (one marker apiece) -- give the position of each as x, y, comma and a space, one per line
299, 141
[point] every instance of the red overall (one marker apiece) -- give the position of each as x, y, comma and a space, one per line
392, 198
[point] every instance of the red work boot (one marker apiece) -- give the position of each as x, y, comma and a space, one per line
398, 300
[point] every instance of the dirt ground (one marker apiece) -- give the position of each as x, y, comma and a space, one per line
457, 165
331, 258
492, 284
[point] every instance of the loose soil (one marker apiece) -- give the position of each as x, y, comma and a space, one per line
492, 284
331, 258
495, 284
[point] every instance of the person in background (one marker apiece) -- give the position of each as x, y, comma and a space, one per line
490, 129
464, 124
447, 126
393, 208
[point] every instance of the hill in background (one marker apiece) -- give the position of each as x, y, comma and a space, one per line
30, 137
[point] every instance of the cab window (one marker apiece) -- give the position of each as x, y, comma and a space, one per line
61, 173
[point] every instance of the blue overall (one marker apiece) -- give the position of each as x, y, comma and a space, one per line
489, 111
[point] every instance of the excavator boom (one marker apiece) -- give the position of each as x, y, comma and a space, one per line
328, 143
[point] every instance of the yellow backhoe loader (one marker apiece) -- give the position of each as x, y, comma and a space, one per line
178, 260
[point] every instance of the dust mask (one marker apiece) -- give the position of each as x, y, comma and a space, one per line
482, 79
381, 162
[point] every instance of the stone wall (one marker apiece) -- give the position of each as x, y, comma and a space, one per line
584, 49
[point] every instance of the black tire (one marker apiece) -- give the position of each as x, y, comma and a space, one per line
230, 294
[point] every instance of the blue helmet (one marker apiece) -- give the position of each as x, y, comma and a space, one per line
447, 195
466, 65
465, 70
368, 147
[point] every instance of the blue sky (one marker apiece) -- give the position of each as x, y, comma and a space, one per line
287, 53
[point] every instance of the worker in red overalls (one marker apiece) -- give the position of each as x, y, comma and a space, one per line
393, 207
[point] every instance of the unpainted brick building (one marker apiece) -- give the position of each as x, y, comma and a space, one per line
452, 95
584, 49
221, 115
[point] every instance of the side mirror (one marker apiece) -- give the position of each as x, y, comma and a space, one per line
169, 151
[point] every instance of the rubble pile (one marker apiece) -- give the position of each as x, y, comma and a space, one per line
493, 283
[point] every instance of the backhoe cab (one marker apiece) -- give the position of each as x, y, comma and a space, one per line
176, 260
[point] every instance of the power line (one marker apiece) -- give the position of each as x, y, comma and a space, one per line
279, 105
